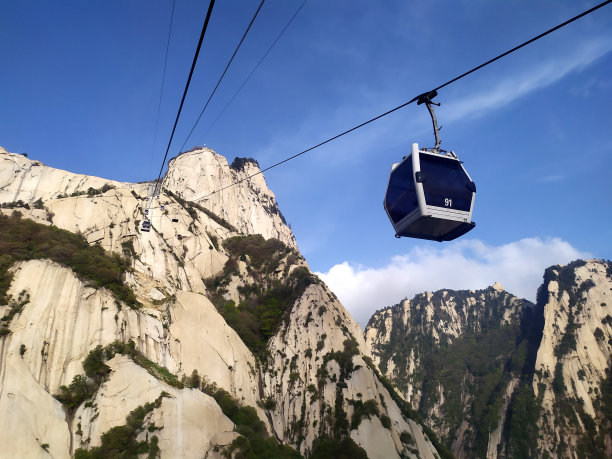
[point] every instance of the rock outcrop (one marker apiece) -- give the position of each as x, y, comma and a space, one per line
192, 421
237, 193
572, 370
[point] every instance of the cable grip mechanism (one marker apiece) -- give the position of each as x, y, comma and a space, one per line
426, 98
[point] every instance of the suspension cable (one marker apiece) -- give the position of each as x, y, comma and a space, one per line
224, 72
414, 99
516, 48
193, 64
161, 91
254, 69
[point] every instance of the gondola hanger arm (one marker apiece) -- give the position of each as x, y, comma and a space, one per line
426, 98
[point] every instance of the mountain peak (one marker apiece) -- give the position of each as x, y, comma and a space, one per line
237, 193
498, 287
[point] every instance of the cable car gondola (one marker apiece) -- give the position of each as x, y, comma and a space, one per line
430, 195
146, 226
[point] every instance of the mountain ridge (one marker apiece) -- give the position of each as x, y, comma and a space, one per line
540, 377
308, 386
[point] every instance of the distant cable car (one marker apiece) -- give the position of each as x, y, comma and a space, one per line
175, 220
146, 226
430, 195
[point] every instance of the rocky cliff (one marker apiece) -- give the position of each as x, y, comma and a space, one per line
496, 376
206, 335
446, 352
201, 176
573, 376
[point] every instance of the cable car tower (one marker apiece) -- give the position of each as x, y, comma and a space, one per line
430, 195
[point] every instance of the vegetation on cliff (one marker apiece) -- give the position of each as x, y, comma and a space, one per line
91, 191
463, 378
120, 441
238, 164
23, 239
15, 307
254, 441
273, 286
84, 387
190, 207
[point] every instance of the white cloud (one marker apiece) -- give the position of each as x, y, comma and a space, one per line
537, 76
552, 178
467, 264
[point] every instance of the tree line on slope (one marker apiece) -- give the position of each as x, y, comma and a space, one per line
266, 300
465, 378
23, 239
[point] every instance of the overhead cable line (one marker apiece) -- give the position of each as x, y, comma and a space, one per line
193, 64
516, 48
224, 72
161, 91
414, 99
255, 68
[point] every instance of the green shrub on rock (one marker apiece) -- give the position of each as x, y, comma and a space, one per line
23, 239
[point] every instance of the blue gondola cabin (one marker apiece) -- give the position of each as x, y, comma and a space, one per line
430, 196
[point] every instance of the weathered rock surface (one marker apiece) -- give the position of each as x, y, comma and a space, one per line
190, 419
314, 374
65, 319
574, 356
248, 205
28, 180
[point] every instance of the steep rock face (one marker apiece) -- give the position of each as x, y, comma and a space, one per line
177, 329
112, 219
399, 336
314, 372
190, 419
71, 319
28, 180
318, 377
31, 416
573, 360
547, 394
249, 205
454, 356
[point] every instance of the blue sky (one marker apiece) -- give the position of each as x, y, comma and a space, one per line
80, 87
